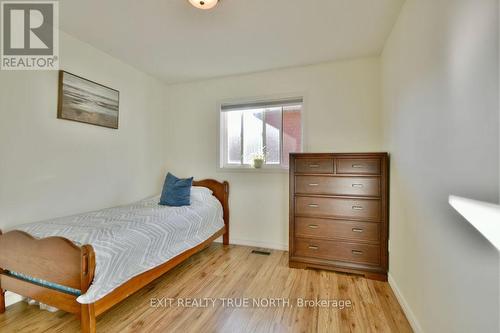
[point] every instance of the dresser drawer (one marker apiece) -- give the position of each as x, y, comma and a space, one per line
368, 166
335, 250
314, 165
337, 229
351, 186
336, 207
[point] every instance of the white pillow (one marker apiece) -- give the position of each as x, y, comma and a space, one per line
200, 193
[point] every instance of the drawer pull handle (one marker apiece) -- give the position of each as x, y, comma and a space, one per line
313, 205
357, 185
357, 230
313, 247
313, 226
357, 207
358, 166
313, 184
356, 252
314, 166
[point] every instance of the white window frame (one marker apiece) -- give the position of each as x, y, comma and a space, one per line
223, 140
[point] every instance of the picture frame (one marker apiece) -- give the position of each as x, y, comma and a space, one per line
86, 101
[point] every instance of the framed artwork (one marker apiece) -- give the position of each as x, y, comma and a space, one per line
86, 101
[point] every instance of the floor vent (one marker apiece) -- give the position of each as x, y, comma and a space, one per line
262, 253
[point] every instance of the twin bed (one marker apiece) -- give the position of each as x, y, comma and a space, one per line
85, 264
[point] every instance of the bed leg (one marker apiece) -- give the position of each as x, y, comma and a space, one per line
225, 237
2, 292
87, 318
2, 301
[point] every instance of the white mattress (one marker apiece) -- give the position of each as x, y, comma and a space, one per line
131, 239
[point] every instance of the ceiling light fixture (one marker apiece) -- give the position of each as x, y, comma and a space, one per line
204, 4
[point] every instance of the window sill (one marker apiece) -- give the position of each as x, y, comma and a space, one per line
251, 170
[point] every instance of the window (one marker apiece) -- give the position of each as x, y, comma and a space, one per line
269, 129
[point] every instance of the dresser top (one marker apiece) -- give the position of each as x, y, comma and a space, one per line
319, 155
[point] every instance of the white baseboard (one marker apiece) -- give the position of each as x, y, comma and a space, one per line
246, 242
415, 325
11, 298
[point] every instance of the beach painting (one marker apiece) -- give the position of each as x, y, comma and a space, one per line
86, 101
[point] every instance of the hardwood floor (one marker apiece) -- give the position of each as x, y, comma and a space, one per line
235, 273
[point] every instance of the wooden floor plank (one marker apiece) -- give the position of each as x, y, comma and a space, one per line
234, 272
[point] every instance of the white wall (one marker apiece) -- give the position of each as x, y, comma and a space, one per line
342, 113
51, 167
440, 94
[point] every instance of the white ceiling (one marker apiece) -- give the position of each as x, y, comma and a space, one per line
176, 42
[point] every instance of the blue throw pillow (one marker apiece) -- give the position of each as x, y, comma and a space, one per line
176, 192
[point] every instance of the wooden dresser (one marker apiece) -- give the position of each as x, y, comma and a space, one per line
339, 212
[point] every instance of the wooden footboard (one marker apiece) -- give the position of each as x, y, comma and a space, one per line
53, 259
58, 260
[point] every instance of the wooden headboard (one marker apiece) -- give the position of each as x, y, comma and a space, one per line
221, 192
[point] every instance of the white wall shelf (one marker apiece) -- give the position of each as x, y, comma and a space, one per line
485, 217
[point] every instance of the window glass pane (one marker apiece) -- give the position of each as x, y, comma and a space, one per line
273, 136
245, 126
292, 132
252, 134
233, 124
